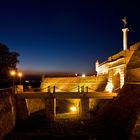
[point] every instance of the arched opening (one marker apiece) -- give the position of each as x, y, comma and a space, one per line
116, 81
67, 108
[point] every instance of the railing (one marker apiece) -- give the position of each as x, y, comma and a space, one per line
5, 91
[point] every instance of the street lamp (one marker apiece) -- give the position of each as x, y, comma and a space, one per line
82, 88
20, 75
13, 73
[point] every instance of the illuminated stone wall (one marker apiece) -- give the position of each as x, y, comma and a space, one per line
71, 84
25, 107
34, 105
102, 68
111, 75
118, 67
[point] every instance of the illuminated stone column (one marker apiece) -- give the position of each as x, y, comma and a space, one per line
50, 108
125, 37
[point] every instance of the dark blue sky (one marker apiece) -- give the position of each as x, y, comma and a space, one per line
66, 35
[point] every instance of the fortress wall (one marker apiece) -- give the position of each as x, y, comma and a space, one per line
7, 114
102, 69
133, 75
34, 105
70, 84
93, 103
25, 107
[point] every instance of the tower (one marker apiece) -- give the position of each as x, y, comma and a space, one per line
125, 33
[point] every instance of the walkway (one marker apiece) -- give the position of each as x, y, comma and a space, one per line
67, 95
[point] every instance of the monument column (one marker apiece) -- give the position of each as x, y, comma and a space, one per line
125, 34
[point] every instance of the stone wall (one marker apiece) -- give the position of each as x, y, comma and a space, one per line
102, 68
133, 75
136, 130
34, 105
70, 84
25, 107
7, 113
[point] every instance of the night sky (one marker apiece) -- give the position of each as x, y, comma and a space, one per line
66, 35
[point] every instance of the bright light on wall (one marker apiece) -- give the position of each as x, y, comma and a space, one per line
73, 109
110, 88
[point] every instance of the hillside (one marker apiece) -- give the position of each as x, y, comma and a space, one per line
119, 116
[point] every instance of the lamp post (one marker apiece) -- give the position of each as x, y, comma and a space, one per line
20, 75
13, 73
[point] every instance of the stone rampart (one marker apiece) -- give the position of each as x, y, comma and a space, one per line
71, 84
7, 113
34, 105
25, 107
133, 75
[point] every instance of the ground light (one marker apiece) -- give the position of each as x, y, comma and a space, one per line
73, 108
83, 75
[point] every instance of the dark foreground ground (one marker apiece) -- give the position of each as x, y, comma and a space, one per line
64, 128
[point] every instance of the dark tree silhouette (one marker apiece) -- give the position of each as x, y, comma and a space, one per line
8, 61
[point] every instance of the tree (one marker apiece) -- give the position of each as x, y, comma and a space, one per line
8, 61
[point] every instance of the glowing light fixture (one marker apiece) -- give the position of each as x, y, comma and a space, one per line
20, 75
13, 72
73, 109
83, 75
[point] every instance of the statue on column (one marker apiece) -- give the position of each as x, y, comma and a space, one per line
124, 22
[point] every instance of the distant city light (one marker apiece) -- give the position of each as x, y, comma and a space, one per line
83, 75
